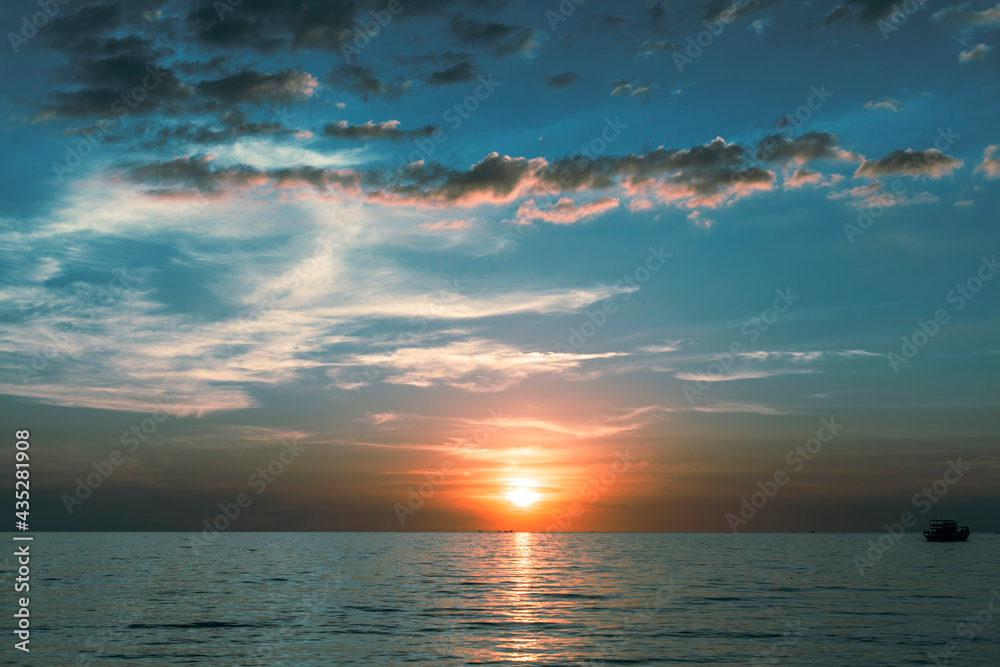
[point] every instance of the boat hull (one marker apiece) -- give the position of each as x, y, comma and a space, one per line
957, 537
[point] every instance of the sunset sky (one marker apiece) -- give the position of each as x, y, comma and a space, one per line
618, 258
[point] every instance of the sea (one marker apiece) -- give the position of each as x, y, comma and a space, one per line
442, 598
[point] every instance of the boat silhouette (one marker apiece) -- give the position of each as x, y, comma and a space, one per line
946, 530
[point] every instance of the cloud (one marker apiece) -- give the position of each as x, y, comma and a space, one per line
728, 11
990, 164
371, 130
191, 173
232, 126
978, 52
874, 194
774, 363
364, 82
887, 103
698, 220
931, 163
739, 407
735, 375
562, 80
448, 224
502, 38
476, 365
629, 89
966, 14
863, 11
650, 46
707, 175
497, 178
803, 177
458, 73
284, 87
565, 211
107, 74
805, 148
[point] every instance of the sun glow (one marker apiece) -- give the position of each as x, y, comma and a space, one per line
521, 496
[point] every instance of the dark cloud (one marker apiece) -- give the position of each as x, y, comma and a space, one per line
232, 126
189, 173
282, 87
708, 174
440, 58
932, 163
503, 39
364, 82
269, 25
651, 46
232, 29
864, 11
371, 130
496, 177
807, 147
111, 75
213, 65
562, 80
463, 71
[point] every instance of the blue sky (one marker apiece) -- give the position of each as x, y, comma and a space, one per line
295, 235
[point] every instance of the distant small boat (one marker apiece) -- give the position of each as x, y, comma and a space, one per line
946, 530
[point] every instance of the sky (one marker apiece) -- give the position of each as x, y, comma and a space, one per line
500, 265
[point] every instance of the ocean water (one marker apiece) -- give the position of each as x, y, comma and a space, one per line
508, 599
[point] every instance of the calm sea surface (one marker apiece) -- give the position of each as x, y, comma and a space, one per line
507, 599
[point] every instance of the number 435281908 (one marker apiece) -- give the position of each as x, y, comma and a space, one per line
22, 485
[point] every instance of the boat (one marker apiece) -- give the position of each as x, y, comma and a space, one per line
946, 530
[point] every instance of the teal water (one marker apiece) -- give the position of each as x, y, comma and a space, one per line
506, 599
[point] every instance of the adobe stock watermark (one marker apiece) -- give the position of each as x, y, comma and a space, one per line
38, 20
455, 116
420, 321
598, 317
366, 31
592, 490
752, 329
258, 481
968, 629
274, 642
696, 44
132, 438
879, 203
791, 122
120, 109
301, 271
928, 329
778, 649
796, 458
924, 500
435, 480
201, 200
666, 591
901, 14
566, 9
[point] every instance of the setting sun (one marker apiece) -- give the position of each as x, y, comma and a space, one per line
522, 497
